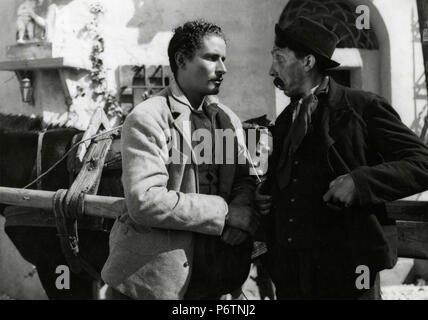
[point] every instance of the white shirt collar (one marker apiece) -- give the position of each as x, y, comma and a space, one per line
297, 109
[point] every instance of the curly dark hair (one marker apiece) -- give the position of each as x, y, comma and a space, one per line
188, 38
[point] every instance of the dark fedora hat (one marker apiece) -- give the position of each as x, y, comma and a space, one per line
312, 36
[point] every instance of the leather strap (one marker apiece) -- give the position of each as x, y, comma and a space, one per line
67, 232
39, 158
68, 236
69, 205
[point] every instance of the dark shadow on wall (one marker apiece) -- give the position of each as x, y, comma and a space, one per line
58, 3
153, 16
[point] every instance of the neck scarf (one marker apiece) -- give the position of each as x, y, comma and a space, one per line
298, 131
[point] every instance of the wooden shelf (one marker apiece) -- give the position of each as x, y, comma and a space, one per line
37, 64
26, 66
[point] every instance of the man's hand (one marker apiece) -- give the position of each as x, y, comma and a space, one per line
263, 201
233, 236
242, 217
342, 191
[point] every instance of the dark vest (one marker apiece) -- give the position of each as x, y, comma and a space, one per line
301, 219
207, 172
218, 268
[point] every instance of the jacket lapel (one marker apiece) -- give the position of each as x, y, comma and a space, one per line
335, 118
282, 127
181, 109
335, 111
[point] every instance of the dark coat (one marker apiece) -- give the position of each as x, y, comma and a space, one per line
364, 136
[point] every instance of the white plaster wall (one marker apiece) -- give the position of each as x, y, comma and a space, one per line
406, 64
10, 99
138, 32
370, 70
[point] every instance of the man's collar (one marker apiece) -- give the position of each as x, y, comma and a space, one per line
314, 89
179, 98
323, 87
320, 89
336, 95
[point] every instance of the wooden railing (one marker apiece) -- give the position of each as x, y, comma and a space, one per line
412, 221
411, 214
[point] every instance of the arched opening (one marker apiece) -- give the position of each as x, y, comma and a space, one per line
362, 53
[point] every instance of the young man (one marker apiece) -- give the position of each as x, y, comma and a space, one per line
186, 233
338, 155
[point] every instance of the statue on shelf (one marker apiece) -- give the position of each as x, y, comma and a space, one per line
28, 20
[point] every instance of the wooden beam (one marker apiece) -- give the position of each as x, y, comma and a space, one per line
412, 239
99, 206
98, 119
408, 210
413, 208
412, 235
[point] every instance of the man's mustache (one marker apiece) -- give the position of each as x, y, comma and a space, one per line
278, 83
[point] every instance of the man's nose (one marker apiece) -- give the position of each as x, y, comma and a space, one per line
272, 71
221, 67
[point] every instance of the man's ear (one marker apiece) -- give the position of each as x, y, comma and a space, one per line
310, 61
180, 59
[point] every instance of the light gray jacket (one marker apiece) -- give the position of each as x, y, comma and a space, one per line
151, 245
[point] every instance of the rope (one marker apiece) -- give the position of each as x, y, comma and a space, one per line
68, 235
67, 153
39, 158
69, 242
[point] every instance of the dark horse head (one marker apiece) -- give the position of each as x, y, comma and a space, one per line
19, 136
39, 244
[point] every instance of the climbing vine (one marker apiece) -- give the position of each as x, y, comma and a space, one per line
100, 91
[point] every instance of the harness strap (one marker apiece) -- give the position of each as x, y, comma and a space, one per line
73, 166
68, 236
39, 158
66, 231
69, 204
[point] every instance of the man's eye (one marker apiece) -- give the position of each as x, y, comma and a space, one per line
279, 58
211, 58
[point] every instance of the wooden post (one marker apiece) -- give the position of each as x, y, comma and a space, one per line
99, 206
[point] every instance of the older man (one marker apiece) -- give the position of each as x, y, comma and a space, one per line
338, 155
189, 195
